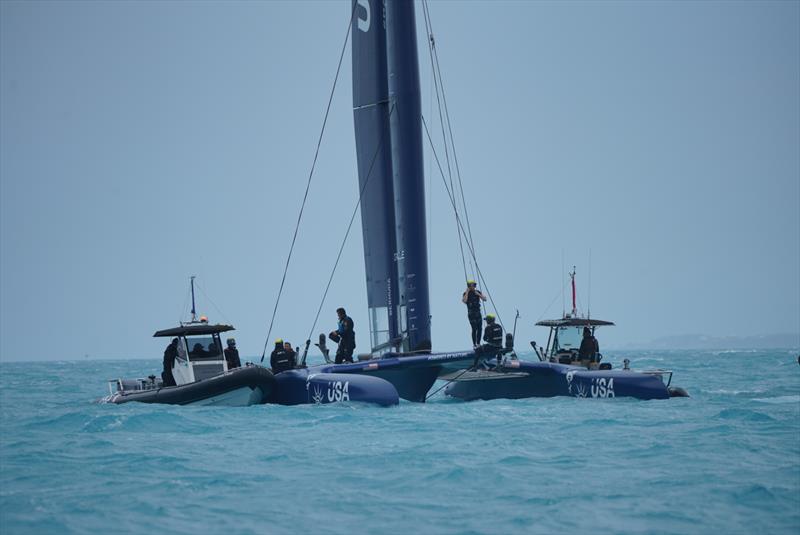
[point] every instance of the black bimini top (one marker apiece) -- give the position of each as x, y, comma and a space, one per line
194, 328
573, 322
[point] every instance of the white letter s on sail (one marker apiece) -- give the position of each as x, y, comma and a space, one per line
363, 24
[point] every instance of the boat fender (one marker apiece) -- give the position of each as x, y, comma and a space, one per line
678, 392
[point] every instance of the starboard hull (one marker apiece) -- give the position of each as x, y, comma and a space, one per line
546, 379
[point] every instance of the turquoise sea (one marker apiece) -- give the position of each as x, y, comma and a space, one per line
726, 460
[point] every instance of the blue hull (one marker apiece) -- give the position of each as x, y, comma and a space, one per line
411, 375
314, 385
546, 379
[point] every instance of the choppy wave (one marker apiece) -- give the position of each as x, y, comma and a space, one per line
727, 459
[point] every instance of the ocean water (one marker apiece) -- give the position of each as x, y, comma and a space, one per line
725, 460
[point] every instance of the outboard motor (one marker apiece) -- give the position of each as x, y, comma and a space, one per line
509, 341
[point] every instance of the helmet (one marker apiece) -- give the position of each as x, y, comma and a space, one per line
231, 342
203, 319
470, 282
489, 317
279, 340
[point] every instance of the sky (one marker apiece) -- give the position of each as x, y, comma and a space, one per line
653, 145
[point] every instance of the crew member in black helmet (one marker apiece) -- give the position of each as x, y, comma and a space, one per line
493, 338
169, 361
345, 336
589, 346
280, 360
472, 297
232, 354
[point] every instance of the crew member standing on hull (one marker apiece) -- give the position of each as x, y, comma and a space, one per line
345, 336
472, 297
279, 359
169, 361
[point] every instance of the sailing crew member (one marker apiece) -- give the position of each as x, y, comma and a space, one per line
287, 346
280, 360
345, 336
493, 336
169, 361
472, 297
589, 346
232, 354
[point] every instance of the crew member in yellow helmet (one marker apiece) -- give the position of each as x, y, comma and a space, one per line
280, 360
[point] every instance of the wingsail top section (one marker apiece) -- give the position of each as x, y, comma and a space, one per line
386, 104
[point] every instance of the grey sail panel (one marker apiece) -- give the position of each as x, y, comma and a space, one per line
373, 147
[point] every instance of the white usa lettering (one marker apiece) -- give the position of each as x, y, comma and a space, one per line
338, 391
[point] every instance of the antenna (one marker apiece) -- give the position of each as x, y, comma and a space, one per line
589, 306
574, 308
194, 314
563, 305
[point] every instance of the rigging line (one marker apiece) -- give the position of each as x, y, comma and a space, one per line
444, 136
310, 175
183, 309
349, 226
465, 370
222, 315
438, 72
458, 221
559, 294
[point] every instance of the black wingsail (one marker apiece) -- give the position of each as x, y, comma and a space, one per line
386, 102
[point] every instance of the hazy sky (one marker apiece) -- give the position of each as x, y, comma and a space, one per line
143, 142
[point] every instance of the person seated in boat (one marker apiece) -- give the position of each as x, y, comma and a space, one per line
589, 347
472, 297
493, 338
198, 351
169, 361
213, 350
280, 360
232, 354
345, 336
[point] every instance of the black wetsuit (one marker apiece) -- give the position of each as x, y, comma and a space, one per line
474, 315
232, 356
169, 361
347, 340
589, 348
493, 336
281, 360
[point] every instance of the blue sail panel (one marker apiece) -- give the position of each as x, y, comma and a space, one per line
373, 147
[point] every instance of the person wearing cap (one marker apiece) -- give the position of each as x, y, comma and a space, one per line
280, 360
345, 336
472, 297
589, 346
232, 354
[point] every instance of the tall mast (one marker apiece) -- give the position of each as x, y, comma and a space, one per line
387, 116
408, 177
